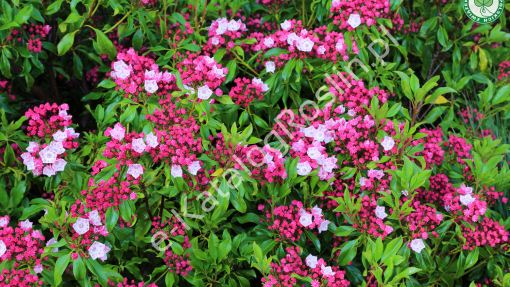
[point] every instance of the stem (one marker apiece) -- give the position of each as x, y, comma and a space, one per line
254, 124
244, 63
117, 24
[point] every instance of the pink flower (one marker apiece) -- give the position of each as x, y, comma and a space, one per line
59, 165
176, 171
311, 261
286, 25
327, 271
4, 221
388, 143
138, 145
417, 245
51, 242
118, 132
75, 256
151, 86
38, 268
33, 147
354, 20
48, 155
306, 219
3, 248
204, 93
304, 168
151, 140
261, 207
133, 196
81, 226
27, 224
324, 225
135, 170
58, 147
97, 250
380, 212
94, 218
258, 83
194, 167
270, 66
49, 171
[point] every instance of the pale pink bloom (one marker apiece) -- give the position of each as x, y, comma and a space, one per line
71, 133
58, 147
304, 168
380, 212
313, 152
466, 199
218, 72
51, 242
118, 132
49, 171
417, 245
305, 45
306, 219
317, 211
194, 167
270, 66
59, 136
388, 143
204, 92
268, 42
330, 163
133, 196
59, 164
291, 38
176, 171
97, 250
363, 181
27, 224
321, 50
3, 248
4, 221
298, 146
38, 268
405, 192
286, 25
151, 86
327, 271
138, 145
94, 218
311, 261
48, 155
106, 249
151, 140
81, 226
215, 41
324, 225
135, 170
167, 77
46, 29
354, 20
258, 82
64, 115
351, 113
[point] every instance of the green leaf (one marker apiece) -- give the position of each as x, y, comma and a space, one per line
77, 67
9, 156
105, 45
138, 40
79, 269
97, 270
66, 43
18, 192
344, 230
260, 122
348, 252
23, 15
392, 248
5, 66
54, 7
314, 239
275, 52
482, 3
501, 95
112, 217
60, 266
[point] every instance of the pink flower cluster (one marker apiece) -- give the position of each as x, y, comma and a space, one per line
316, 269
247, 91
46, 120
424, 219
366, 13
32, 30
48, 159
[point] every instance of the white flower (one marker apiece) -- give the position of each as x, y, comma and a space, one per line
51, 242
321, 50
122, 70
286, 25
222, 27
291, 38
27, 224
335, 3
233, 25
319, 135
269, 42
417, 245
327, 271
59, 136
324, 225
258, 82
313, 153
329, 164
354, 20
351, 113
194, 167
118, 132
38, 268
49, 171
151, 140
311, 261
48, 155
405, 192
135, 170
204, 92
380, 212
97, 250
138, 145
215, 41
59, 164
176, 171
94, 218
305, 45
309, 131
149, 74
316, 210
306, 219
388, 143
4, 221
81, 226
466, 199
3, 248
362, 181
106, 249
151, 86
447, 207
303, 168
270, 66
58, 147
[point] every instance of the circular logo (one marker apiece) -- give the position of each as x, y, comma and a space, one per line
483, 11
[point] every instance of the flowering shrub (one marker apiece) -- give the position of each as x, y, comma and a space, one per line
253, 143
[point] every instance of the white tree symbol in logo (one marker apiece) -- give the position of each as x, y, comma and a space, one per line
483, 4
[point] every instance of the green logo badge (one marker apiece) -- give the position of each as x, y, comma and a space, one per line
483, 11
